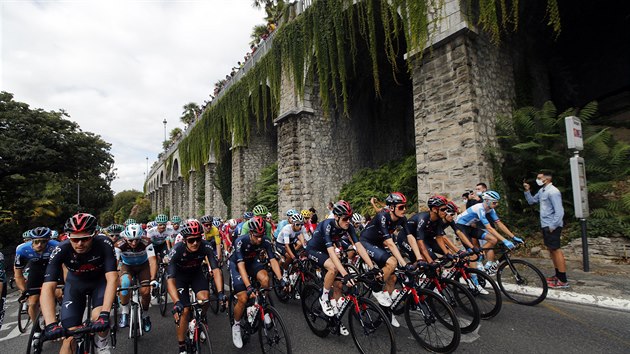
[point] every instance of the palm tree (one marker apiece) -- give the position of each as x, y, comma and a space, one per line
257, 32
191, 113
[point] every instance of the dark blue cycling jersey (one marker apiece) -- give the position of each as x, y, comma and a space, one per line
382, 227
246, 251
328, 234
100, 259
182, 260
421, 226
25, 254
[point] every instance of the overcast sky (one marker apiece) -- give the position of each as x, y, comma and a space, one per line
120, 67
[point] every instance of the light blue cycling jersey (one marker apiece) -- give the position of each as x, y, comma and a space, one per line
477, 213
281, 224
134, 256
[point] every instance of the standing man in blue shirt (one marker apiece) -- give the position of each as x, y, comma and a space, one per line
551, 213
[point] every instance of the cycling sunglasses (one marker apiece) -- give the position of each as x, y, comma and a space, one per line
193, 240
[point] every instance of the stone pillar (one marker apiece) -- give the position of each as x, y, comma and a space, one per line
247, 163
174, 198
192, 211
214, 204
182, 190
459, 87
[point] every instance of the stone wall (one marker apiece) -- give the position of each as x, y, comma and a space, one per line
603, 249
213, 201
459, 88
248, 161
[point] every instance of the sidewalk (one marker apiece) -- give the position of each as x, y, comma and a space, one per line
605, 285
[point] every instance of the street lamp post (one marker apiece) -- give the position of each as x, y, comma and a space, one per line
147, 166
164, 121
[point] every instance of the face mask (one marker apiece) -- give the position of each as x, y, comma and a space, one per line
539, 182
479, 194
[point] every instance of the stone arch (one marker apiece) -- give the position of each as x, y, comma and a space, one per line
161, 177
175, 170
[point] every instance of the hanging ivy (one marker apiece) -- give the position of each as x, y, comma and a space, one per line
321, 43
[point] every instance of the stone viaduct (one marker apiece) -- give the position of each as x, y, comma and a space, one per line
444, 109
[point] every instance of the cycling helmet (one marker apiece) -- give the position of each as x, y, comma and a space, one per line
81, 222
115, 229
40, 232
133, 232
297, 219
176, 220
451, 208
491, 196
216, 221
291, 212
395, 198
269, 215
260, 210
54, 235
232, 223
26, 235
206, 219
356, 218
151, 224
257, 225
192, 228
436, 201
130, 221
342, 208
161, 219
306, 214
248, 215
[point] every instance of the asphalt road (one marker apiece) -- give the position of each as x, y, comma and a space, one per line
551, 327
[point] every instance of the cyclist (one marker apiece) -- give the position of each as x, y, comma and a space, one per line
26, 236
226, 230
425, 228
237, 231
269, 219
211, 234
378, 234
291, 238
484, 212
137, 259
260, 211
175, 222
185, 272
129, 222
282, 223
321, 249
358, 221
159, 234
91, 268
310, 227
113, 232
3, 289
246, 262
32, 258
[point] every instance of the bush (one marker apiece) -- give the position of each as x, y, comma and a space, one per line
265, 190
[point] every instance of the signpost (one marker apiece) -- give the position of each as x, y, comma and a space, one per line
575, 142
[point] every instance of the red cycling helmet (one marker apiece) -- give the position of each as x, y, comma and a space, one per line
257, 225
192, 228
342, 209
81, 222
436, 201
452, 208
395, 198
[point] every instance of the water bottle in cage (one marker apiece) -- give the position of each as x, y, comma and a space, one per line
191, 328
251, 314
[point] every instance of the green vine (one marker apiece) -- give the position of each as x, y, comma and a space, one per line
321, 43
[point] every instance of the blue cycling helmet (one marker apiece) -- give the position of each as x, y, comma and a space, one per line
26, 235
133, 232
248, 215
40, 232
54, 235
291, 212
491, 196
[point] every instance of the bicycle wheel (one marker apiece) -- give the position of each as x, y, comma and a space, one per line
309, 277
135, 333
522, 282
370, 328
214, 297
273, 336
23, 318
35, 344
489, 304
113, 330
315, 318
432, 322
463, 303
283, 296
202, 342
163, 295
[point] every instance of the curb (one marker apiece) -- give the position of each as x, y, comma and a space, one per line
576, 298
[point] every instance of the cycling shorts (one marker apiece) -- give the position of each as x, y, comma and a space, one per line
194, 280
73, 304
472, 232
318, 257
252, 271
35, 278
377, 253
160, 250
142, 272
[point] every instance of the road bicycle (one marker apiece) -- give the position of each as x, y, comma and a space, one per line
484, 289
521, 281
260, 316
212, 288
38, 326
135, 314
429, 317
23, 317
369, 326
197, 336
454, 293
299, 272
161, 291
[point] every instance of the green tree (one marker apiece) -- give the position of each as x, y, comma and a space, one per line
175, 134
44, 159
191, 113
141, 210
